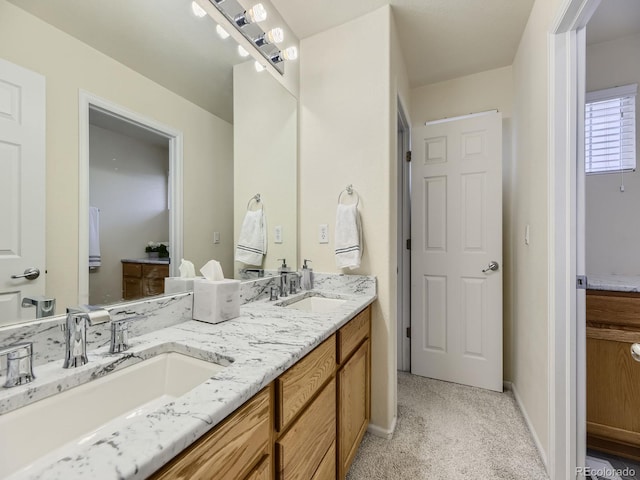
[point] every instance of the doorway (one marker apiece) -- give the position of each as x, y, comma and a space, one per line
91, 106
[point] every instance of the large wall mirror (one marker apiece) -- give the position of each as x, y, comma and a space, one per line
237, 126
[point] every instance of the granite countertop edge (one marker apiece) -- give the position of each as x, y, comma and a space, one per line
614, 283
261, 344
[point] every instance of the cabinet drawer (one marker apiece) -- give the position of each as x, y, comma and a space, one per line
132, 270
301, 450
228, 450
613, 308
155, 271
297, 385
327, 469
262, 471
352, 334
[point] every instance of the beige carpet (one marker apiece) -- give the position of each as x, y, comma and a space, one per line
450, 431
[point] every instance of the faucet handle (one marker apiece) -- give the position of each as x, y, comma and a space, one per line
19, 364
273, 293
119, 336
293, 283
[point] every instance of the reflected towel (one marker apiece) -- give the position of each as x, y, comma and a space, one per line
348, 237
94, 237
252, 243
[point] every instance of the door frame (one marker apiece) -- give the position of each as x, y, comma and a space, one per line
88, 101
567, 324
403, 302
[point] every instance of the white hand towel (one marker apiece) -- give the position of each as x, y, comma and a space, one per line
94, 237
252, 244
348, 237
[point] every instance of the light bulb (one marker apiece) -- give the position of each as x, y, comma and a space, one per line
242, 52
222, 32
257, 13
290, 53
259, 66
275, 35
197, 10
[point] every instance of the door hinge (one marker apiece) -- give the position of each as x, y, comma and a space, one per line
408, 332
408, 156
581, 282
408, 244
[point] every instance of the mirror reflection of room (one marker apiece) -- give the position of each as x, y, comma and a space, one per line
129, 209
612, 197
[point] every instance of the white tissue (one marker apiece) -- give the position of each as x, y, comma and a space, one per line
212, 271
187, 270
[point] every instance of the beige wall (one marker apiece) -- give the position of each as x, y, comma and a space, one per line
479, 92
347, 122
613, 225
265, 159
69, 66
529, 309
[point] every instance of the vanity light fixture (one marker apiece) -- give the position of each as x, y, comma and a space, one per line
245, 21
275, 35
259, 66
255, 14
222, 32
197, 10
242, 51
290, 53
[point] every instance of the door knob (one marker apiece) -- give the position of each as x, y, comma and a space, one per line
635, 351
29, 274
493, 266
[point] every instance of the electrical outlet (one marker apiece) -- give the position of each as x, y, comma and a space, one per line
323, 233
216, 238
277, 234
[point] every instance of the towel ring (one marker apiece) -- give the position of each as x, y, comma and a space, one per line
256, 198
350, 191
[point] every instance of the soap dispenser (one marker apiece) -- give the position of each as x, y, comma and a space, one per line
307, 276
283, 268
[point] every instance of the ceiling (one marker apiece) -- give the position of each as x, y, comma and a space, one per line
441, 39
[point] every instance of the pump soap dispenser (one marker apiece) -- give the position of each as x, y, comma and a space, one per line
307, 276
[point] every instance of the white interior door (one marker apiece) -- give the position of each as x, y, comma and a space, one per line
456, 218
22, 188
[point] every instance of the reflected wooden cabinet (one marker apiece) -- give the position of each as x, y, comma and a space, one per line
141, 280
613, 376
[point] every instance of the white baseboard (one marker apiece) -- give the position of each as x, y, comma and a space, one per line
383, 432
536, 440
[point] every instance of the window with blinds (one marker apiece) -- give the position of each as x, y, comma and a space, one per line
610, 130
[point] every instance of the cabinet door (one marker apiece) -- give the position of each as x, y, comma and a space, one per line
132, 288
353, 406
262, 471
300, 451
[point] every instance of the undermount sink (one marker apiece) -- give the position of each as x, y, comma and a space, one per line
315, 304
77, 416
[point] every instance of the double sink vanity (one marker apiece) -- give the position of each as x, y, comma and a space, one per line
280, 392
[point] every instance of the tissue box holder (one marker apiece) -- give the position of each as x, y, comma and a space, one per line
178, 285
216, 301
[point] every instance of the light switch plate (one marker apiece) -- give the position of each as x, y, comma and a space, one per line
216, 238
526, 235
277, 234
323, 233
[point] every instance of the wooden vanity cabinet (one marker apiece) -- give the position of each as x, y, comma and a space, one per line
354, 387
141, 280
238, 448
613, 377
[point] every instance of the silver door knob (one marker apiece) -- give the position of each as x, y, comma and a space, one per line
493, 266
635, 351
29, 274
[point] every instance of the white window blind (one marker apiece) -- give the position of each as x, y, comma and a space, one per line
610, 130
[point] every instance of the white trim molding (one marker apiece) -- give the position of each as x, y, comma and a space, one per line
536, 441
88, 101
386, 433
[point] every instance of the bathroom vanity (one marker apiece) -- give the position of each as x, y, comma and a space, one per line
613, 376
143, 278
289, 399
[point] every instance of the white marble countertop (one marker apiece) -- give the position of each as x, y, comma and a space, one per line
615, 283
261, 344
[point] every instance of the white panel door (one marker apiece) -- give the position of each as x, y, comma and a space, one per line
22, 188
456, 231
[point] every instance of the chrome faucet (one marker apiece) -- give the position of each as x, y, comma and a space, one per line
19, 364
119, 336
45, 307
75, 332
